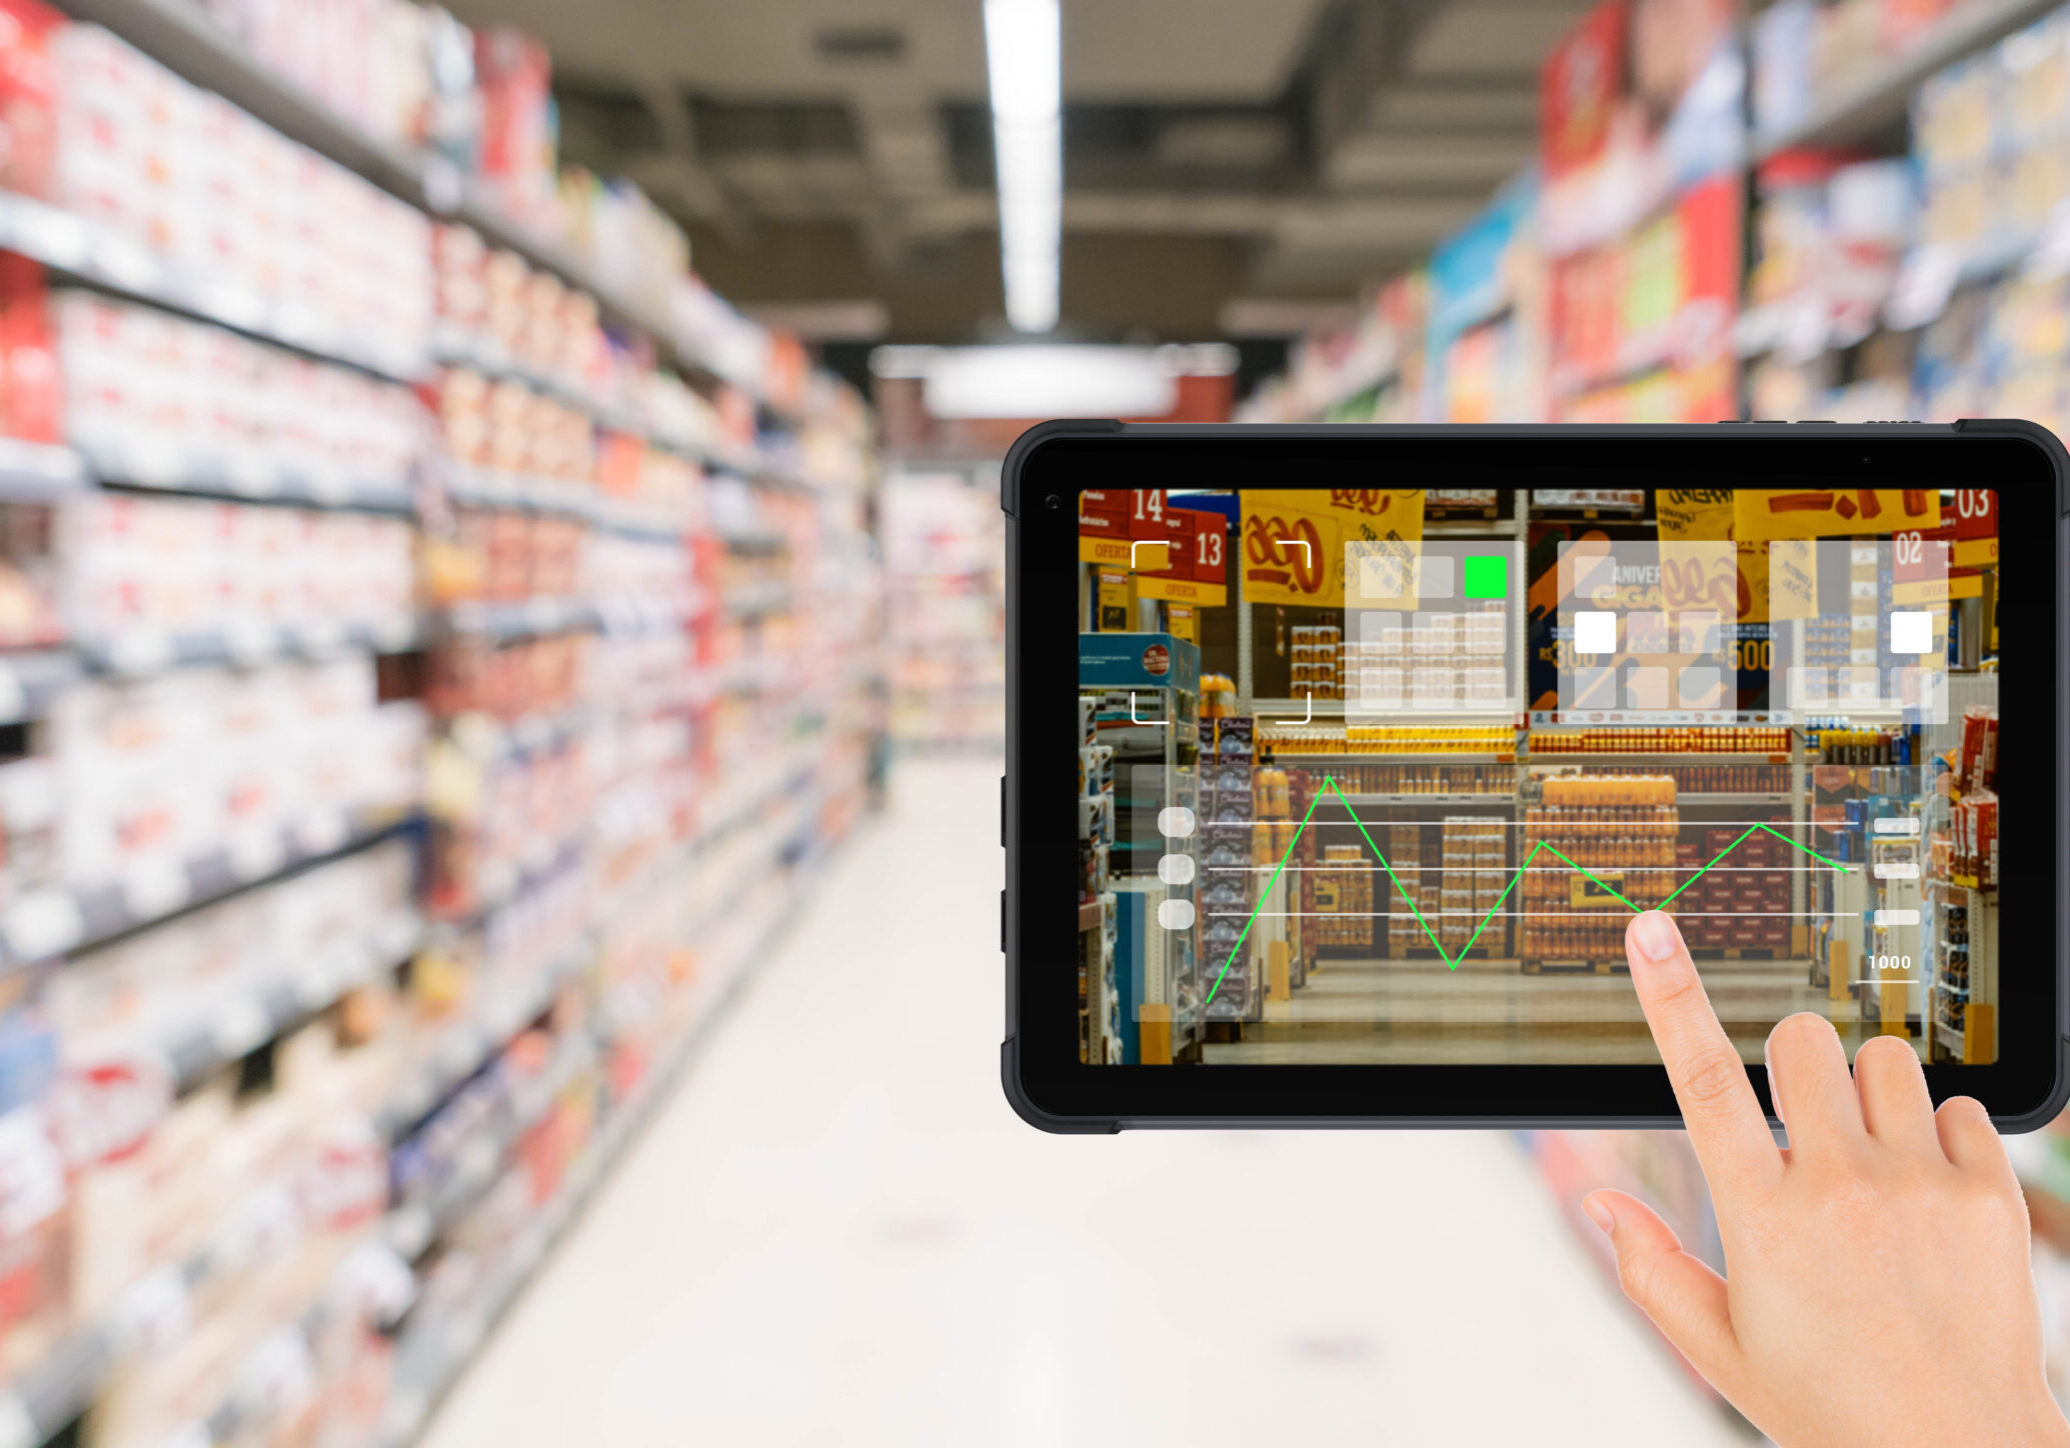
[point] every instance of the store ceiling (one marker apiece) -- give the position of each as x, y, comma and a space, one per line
1227, 163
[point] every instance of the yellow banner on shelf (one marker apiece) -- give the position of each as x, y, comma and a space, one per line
1182, 590
1183, 622
1765, 513
1938, 590
1975, 552
1695, 516
1110, 552
1293, 543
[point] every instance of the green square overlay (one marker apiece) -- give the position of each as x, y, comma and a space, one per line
1485, 575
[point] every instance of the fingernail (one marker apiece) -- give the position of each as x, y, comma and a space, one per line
1599, 1212
1656, 935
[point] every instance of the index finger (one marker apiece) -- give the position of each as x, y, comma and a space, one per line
1725, 1122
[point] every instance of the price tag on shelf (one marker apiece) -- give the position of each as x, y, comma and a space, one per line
250, 476
322, 636
17, 1428
257, 852
328, 484
141, 650
55, 238
124, 263
42, 924
394, 634
443, 187
151, 888
14, 699
1924, 284
316, 986
322, 832
250, 640
242, 1025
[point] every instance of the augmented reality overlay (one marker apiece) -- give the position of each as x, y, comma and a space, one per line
1379, 776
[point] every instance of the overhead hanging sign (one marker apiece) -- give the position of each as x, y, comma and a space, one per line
1766, 513
1293, 543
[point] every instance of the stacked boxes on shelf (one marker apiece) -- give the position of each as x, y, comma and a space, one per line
1732, 739
1622, 830
1238, 803
1476, 870
1316, 665
1339, 890
1424, 778
1095, 802
1422, 882
1743, 901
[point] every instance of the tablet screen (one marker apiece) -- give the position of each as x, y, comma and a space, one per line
1379, 777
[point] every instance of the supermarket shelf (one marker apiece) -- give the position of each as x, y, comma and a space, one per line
618, 1132
491, 488
1089, 915
1662, 758
1374, 756
1702, 797
140, 652
1948, 1036
130, 462
472, 1044
35, 472
1506, 801
125, 267
1881, 99
239, 1026
181, 37
51, 922
41, 1402
531, 618
32, 679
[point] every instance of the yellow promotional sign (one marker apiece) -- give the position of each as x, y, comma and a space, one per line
1586, 894
1792, 578
1112, 552
1182, 622
1764, 513
1182, 590
1937, 590
1293, 542
1690, 516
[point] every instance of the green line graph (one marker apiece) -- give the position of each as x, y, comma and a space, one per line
1452, 961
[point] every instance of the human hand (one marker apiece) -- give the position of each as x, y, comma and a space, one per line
1878, 1290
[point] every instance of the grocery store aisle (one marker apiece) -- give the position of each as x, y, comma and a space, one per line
837, 1232
1417, 1012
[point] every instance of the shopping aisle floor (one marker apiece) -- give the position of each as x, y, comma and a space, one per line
838, 1233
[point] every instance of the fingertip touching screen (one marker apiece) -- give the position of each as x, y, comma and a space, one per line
1378, 777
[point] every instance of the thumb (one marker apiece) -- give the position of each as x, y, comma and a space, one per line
1683, 1296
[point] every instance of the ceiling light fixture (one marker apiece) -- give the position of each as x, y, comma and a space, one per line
1024, 61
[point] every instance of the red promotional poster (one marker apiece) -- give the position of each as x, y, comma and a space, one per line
1579, 89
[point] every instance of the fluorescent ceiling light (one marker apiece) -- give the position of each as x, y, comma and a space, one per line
1024, 60
1048, 380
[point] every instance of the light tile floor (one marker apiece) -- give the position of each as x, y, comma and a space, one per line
838, 1233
